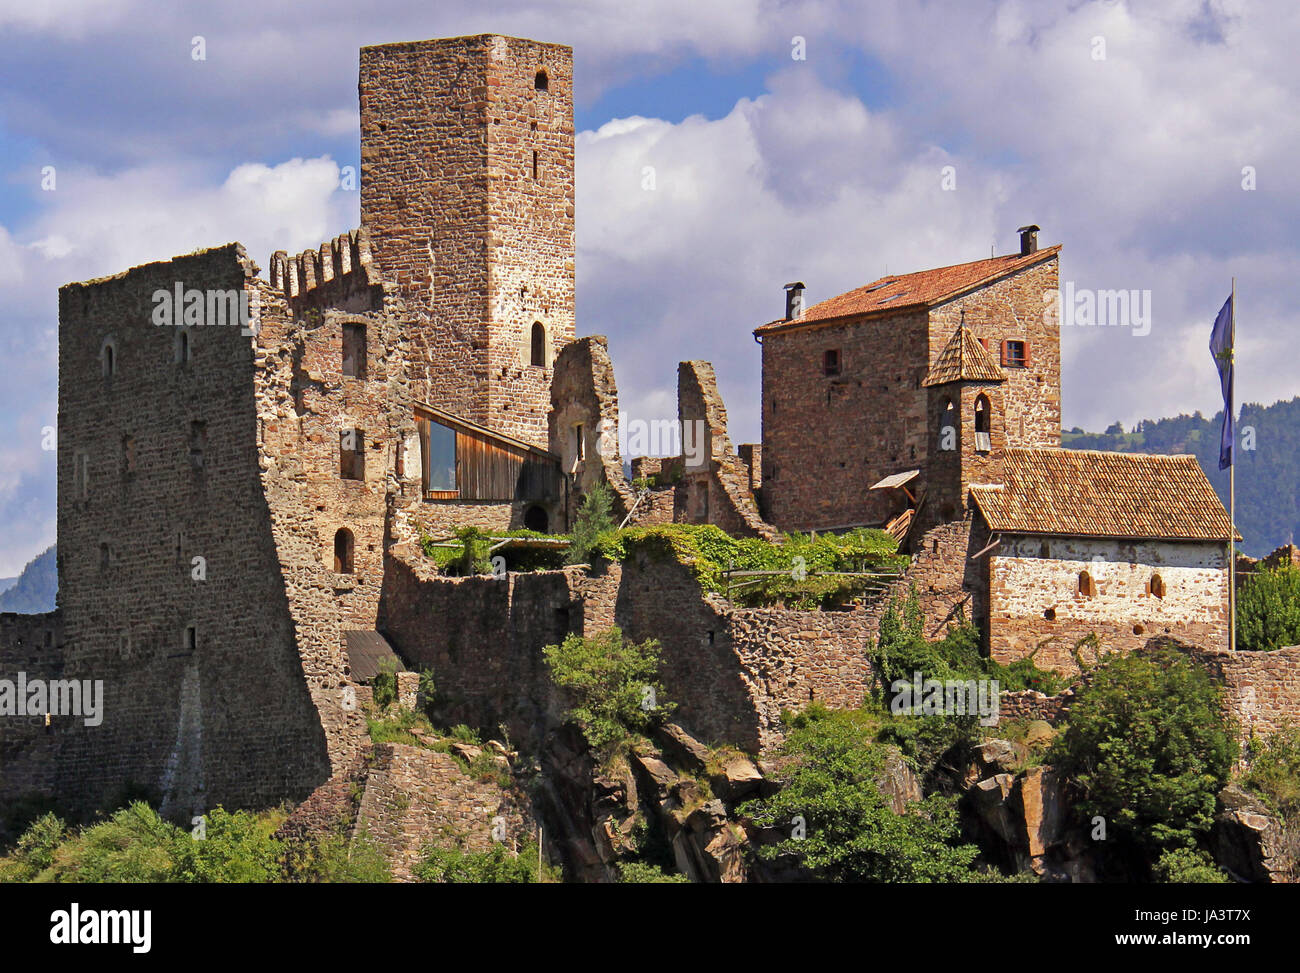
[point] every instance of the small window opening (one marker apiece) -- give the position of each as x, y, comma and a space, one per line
183, 350
579, 443
191, 638
1050, 614
541, 82
1157, 586
535, 165
198, 443
1087, 587
354, 350
831, 361
983, 439
352, 454
128, 454
108, 360
344, 545
538, 356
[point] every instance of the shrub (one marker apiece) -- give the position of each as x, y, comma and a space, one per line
384, 686
236, 846
1149, 745
641, 873
496, 866
594, 519
1268, 609
850, 834
613, 682
34, 851
1274, 771
335, 858
134, 845
1188, 865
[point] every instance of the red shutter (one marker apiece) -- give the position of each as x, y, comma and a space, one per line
1026, 346
1004, 353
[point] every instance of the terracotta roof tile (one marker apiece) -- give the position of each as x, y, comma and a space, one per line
1089, 493
922, 289
964, 359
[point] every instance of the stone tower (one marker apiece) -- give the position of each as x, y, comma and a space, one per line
467, 191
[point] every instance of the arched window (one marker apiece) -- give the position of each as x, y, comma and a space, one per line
1086, 586
108, 358
541, 82
1157, 586
535, 519
983, 441
539, 344
343, 547
182, 350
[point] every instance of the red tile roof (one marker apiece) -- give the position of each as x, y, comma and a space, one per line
1089, 493
922, 289
964, 359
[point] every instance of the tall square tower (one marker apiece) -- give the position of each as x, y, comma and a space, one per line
467, 192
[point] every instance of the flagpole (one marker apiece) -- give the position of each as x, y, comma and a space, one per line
1232, 476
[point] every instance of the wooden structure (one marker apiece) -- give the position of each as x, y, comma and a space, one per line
461, 460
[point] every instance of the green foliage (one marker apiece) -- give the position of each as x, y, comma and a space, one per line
644, 874
384, 686
594, 519
398, 726
851, 834
336, 858
1268, 609
1149, 745
901, 650
237, 846
613, 682
1274, 771
711, 551
1188, 865
496, 866
33, 853
134, 845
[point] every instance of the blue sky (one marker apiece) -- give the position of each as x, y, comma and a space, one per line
1124, 129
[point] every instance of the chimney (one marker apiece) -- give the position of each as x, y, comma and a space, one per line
794, 300
1028, 239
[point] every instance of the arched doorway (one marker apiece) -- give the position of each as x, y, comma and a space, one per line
535, 518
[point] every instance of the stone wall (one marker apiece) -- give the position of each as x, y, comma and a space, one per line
1036, 600
30, 644
415, 797
206, 699
1263, 687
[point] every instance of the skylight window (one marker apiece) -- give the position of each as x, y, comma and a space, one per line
893, 297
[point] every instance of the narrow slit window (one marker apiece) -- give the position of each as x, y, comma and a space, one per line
579, 443
344, 546
352, 454
354, 350
831, 361
538, 350
983, 436
535, 165
1087, 587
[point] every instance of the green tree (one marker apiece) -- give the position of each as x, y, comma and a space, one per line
1188, 865
837, 821
495, 866
594, 518
233, 846
613, 682
1149, 745
1268, 609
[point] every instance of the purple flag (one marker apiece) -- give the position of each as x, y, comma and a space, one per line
1221, 349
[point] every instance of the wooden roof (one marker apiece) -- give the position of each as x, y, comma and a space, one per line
366, 653
964, 359
919, 290
1089, 493
444, 418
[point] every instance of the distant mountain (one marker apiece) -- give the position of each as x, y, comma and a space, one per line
1268, 463
7, 583
35, 588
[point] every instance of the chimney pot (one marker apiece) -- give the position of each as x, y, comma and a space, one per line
794, 300
1028, 239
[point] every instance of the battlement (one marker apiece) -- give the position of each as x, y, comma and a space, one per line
344, 262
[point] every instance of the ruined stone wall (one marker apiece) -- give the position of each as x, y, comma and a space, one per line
415, 797
458, 222
715, 487
584, 396
950, 582
1034, 596
826, 439
158, 465
1263, 688
1014, 308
